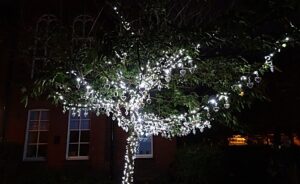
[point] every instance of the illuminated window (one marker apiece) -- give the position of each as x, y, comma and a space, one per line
237, 140
78, 137
36, 140
296, 140
145, 147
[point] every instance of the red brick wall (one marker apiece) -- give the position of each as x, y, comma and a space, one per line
17, 118
100, 134
100, 145
103, 151
57, 139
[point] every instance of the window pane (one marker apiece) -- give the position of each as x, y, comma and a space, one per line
43, 137
38, 124
32, 137
44, 125
42, 29
40, 51
79, 135
84, 150
76, 117
88, 26
44, 115
33, 125
42, 151
145, 146
34, 115
78, 29
73, 150
85, 124
74, 124
74, 136
85, 136
31, 151
83, 115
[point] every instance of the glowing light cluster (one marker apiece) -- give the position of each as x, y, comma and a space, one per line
126, 25
126, 107
131, 149
129, 100
255, 77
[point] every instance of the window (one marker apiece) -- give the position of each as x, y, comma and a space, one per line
36, 140
45, 27
81, 33
145, 147
237, 140
78, 137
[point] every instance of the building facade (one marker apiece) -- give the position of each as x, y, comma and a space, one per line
45, 135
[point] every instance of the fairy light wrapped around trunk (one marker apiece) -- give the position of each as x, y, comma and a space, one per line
131, 150
126, 106
125, 89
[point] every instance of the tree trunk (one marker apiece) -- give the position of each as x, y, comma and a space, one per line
131, 148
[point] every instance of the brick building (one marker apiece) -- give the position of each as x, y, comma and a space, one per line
45, 134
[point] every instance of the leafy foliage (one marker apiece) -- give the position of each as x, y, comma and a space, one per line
232, 43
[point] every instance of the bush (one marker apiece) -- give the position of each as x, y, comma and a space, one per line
199, 164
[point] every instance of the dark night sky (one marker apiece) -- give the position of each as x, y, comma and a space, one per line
283, 90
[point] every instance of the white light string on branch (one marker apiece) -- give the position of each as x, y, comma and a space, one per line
133, 100
126, 105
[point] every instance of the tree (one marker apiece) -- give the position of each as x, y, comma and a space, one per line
165, 72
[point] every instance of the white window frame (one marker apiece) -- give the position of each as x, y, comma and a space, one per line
68, 139
25, 158
146, 155
47, 19
85, 37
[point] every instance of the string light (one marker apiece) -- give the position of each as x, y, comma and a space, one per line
126, 107
136, 96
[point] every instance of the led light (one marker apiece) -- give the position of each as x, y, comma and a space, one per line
182, 72
250, 84
127, 109
243, 78
212, 101
226, 105
257, 79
